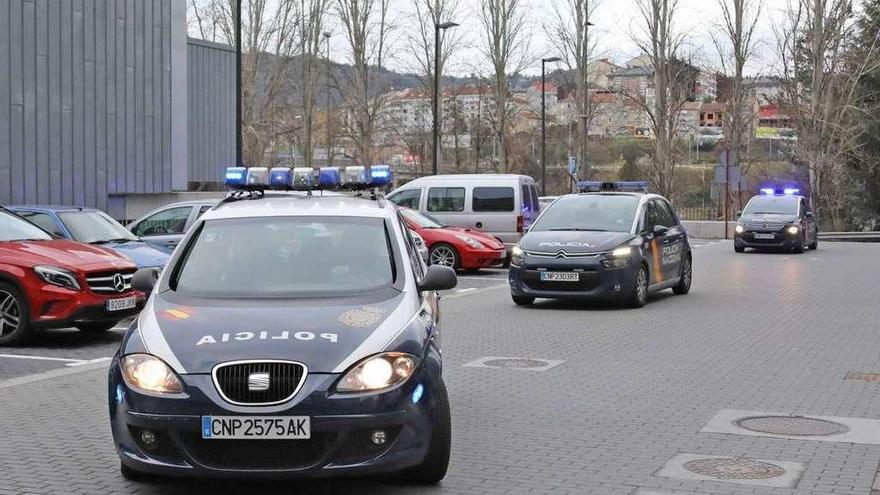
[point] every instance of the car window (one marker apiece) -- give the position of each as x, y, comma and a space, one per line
528, 204
651, 217
494, 199
415, 259
203, 209
446, 199
590, 212
287, 257
14, 228
535, 201
408, 198
43, 221
94, 227
771, 205
665, 214
170, 221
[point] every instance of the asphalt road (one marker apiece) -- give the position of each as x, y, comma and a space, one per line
624, 401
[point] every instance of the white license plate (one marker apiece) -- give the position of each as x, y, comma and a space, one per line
765, 236
257, 427
559, 276
120, 304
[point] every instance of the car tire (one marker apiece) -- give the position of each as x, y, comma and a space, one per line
15, 326
522, 300
436, 462
800, 248
687, 276
95, 328
445, 255
130, 474
815, 244
639, 296
739, 249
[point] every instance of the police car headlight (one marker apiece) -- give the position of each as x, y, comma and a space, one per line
149, 373
378, 372
739, 229
621, 252
793, 230
516, 256
470, 241
58, 276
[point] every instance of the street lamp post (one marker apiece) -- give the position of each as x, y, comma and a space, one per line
437, 28
238, 137
544, 62
326, 35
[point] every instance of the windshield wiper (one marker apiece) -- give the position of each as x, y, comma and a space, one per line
575, 229
108, 241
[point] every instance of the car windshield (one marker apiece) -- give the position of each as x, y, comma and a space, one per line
287, 257
590, 212
422, 220
15, 228
95, 227
772, 205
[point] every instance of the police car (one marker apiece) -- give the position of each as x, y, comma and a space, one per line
611, 241
291, 335
778, 218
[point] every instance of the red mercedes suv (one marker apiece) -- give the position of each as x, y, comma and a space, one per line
47, 282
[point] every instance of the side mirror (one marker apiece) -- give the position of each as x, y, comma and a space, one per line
739, 213
145, 279
660, 230
809, 214
437, 277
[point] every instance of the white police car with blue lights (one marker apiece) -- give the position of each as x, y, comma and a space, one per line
290, 335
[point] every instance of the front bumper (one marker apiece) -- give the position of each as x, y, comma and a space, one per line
781, 239
482, 258
57, 307
341, 429
595, 280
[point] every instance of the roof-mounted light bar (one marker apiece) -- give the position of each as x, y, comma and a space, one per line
780, 191
620, 186
353, 178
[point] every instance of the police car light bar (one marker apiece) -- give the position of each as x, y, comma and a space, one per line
353, 178
622, 186
788, 191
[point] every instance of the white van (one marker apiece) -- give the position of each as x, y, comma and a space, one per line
500, 205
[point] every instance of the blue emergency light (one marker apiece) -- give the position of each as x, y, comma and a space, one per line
328, 177
236, 177
381, 175
787, 191
621, 186
353, 178
280, 178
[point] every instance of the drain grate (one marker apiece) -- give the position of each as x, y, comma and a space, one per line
515, 363
729, 468
792, 425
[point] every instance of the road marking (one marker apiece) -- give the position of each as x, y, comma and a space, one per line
459, 291
56, 373
474, 292
70, 362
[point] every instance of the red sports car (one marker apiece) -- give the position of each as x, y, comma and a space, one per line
47, 282
458, 248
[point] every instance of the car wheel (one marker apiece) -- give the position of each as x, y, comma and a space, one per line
800, 248
130, 474
739, 249
522, 300
15, 326
444, 255
96, 327
639, 296
433, 468
687, 276
815, 244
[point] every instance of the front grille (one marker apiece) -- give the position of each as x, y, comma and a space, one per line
236, 384
110, 282
587, 281
257, 454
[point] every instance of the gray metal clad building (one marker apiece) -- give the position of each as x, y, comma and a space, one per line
95, 102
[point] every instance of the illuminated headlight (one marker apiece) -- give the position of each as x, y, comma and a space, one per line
378, 372
470, 241
739, 229
621, 252
58, 276
150, 374
516, 256
793, 230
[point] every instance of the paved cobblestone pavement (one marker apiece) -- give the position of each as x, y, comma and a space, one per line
759, 332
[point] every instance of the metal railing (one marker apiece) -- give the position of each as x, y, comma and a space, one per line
850, 236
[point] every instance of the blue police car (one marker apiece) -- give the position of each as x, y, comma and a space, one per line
291, 335
778, 218
611, 241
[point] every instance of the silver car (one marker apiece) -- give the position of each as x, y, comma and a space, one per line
166, 226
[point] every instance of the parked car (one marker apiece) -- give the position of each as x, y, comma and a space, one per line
545, 201
93, 226
455, 247
165, 226
500, 205
47, 282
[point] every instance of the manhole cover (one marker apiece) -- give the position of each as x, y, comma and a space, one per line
792, 425
519, 363
728, 468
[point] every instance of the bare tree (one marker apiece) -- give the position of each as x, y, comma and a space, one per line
570, 36
311, 17
673, 79
366, 28
505, 48
820, 79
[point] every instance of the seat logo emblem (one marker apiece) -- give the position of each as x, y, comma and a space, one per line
118, 282
258, 382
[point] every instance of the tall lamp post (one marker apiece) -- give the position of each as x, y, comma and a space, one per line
437, 28
326, 35
544, 62
238, 138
